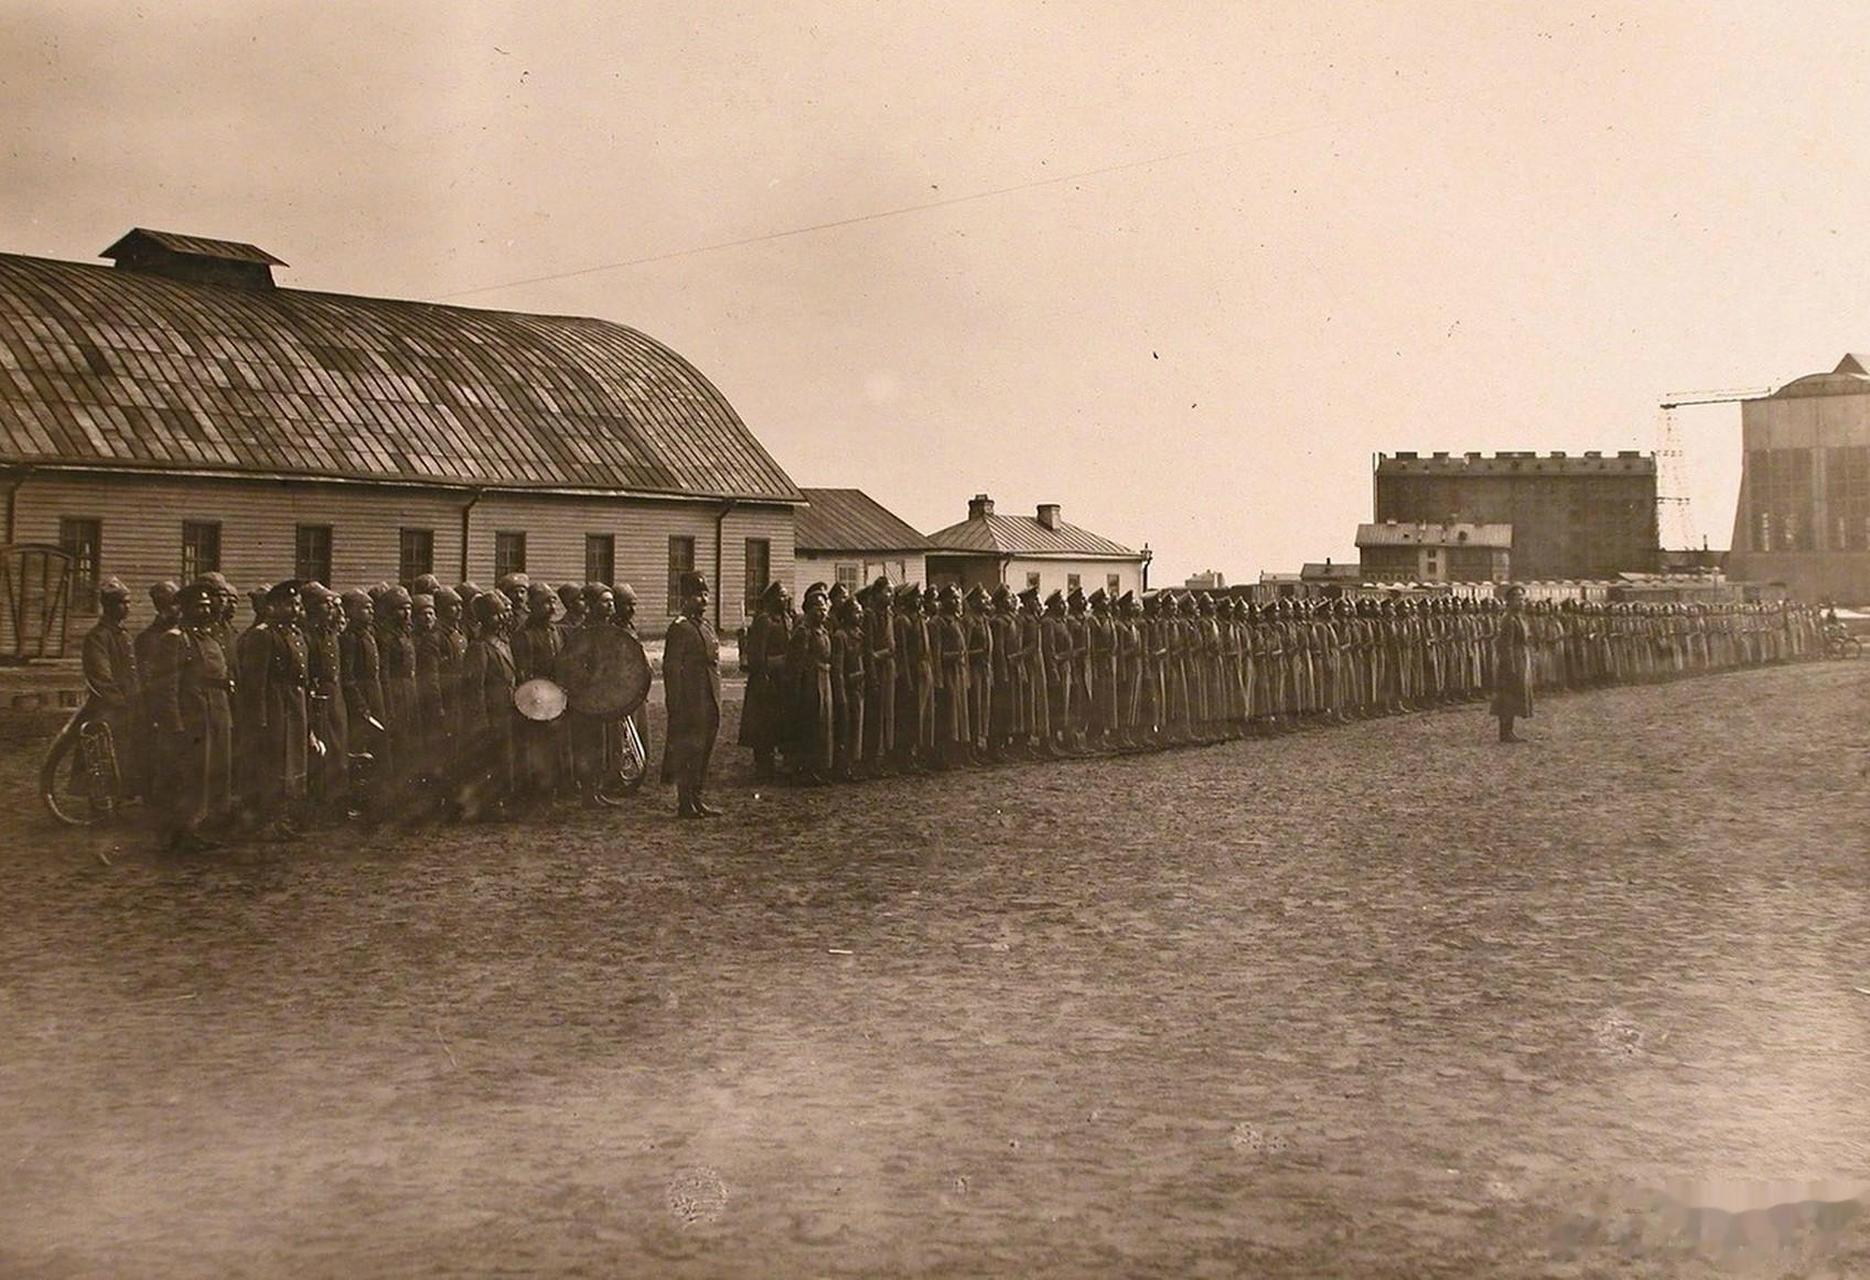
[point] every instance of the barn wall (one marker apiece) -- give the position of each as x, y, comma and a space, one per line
141, 526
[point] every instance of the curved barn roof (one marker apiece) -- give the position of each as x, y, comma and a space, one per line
104, 366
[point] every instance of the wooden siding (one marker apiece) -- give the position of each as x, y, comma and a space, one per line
902, 566
142, 517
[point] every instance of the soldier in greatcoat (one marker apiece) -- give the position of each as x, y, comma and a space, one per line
191, 768
166, 613
1012, 727
880, 657
768, 645
275, 672
978, 623
108, 654
487, 684
1513, 646
691, 676
328, 781
849, 683
541, 761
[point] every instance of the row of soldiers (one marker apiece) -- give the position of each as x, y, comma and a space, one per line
261, 731
901, 678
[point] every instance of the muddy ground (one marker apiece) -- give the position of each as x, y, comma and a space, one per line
1387, 1000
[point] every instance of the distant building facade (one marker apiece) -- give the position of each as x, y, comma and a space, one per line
845, 535
1804, 512
1395, 551
1211, 580
1586, 516
1039, 550
179, 413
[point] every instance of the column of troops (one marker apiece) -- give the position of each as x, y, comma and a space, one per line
906, 678
396, 702
380, 703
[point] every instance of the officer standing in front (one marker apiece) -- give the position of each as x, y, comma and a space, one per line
691, 677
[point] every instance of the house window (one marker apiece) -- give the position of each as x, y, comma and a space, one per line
681, 561
1113, 584
1032, 582
82, 540
759, 572
847, 574
311, 557
600, 558
1072, 583
417, 554
201, 548
509, 554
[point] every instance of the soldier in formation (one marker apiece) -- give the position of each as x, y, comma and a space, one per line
906, 679
387, 702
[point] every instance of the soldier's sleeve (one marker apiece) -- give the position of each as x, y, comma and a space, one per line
255, 659
99, 672
167, 656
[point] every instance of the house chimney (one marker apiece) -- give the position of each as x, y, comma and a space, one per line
978, 506
1048, 514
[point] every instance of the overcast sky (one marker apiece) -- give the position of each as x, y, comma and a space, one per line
1306, 232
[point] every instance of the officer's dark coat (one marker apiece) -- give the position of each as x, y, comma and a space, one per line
691, 678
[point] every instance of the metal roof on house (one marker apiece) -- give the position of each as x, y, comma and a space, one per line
1394, 533
991, 534
851, 520
122, 369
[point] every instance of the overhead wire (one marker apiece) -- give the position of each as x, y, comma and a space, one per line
901, 210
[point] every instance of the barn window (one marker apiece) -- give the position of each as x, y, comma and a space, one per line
847, 574
417, 554
759, 572
509, 554
681, 561
201, 548
1072, 582
82, 540
600, 558
311, 557
1032, 581
1113, 583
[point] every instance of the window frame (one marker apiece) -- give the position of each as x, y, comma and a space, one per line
756, 584
301, 560
504, 541
404, 563
213, 528
86, 561
604, 567
678, 567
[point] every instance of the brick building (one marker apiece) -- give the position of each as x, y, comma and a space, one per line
1585, 516
179, 412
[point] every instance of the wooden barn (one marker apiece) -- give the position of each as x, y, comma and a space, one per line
178, 412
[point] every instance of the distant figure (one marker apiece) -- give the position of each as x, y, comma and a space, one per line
691, 678
1512, 665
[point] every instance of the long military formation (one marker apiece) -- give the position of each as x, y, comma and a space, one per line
259, 732
905, 678
255, 732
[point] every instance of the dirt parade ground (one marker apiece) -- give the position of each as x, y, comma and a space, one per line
1386, 1000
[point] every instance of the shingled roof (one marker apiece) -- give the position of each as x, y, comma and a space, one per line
124, 369
851, 520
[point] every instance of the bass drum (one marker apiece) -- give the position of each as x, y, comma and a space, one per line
605, 672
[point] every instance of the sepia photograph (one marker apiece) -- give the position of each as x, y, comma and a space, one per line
934, 639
